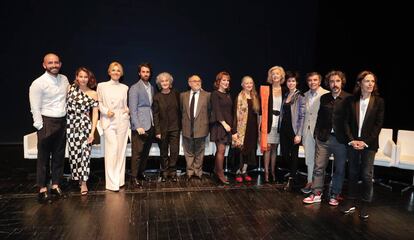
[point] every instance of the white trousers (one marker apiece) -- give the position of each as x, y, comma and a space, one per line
116, 138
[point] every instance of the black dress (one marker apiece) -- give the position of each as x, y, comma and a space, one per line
247, 154
221, 111
251, 135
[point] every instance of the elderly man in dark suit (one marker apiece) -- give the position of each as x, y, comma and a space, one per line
195, 108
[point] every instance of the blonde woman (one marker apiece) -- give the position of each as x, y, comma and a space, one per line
245, 127
271, 103
112, 97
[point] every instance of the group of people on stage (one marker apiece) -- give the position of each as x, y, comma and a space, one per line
325, 122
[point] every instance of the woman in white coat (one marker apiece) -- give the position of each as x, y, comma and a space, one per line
112, 97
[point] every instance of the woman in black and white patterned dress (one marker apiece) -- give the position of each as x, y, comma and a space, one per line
81, 100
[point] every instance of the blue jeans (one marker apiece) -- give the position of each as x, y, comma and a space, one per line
323, 151
361, 163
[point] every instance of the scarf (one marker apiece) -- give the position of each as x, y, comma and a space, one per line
241, 116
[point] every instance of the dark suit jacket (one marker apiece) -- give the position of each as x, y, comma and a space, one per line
160, 112
202, 118
371, 127
331, 114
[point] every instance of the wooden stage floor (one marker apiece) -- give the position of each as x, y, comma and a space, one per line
187, 210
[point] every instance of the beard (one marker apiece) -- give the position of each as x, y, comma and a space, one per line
53, 71
145, 78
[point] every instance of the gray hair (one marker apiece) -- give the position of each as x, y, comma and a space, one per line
164, 75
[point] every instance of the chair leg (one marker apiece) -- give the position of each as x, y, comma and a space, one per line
411, 187
381, 182
259, 166
226, 165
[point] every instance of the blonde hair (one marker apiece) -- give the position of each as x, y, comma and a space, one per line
269, 74
113, 64
253, 94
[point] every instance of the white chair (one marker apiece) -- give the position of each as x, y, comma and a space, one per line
128, 150
405, 153
154, 150
30, 146
259, 155
209, 148
385, 155
301, 152
98, 150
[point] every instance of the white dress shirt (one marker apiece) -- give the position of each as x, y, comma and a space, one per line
196, 96
277, 103
47, 96
363, 105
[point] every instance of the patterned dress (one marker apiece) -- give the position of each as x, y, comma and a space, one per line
79, 126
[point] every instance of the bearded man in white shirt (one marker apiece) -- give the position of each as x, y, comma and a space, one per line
47, 96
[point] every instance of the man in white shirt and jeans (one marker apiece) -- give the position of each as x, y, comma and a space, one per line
47, 96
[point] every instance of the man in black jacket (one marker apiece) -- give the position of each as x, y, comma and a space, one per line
330, 139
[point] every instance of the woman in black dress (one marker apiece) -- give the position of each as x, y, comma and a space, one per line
292, 119
221, 120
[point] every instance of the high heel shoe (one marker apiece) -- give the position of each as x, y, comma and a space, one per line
266, 177
222, 179
274, 177
83, 189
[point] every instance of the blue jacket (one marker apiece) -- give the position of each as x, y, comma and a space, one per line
140, 106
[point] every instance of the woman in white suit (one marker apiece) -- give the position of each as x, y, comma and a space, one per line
112, 97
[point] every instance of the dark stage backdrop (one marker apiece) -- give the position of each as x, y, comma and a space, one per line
187, 37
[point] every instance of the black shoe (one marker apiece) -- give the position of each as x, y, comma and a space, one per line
136, 183
289, 185
142, 177
174, 178
307, 188
188, 178
363, 211
348, 207
43, 197
57, 193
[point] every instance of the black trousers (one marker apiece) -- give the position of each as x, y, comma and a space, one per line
141, 145
361, 166
288, 148
171, 142
51, 142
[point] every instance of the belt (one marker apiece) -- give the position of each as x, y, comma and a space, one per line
276, 112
